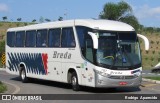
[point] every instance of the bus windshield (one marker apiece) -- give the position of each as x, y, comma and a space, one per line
118, 50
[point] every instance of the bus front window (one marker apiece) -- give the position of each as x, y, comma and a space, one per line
118, 50
106, 50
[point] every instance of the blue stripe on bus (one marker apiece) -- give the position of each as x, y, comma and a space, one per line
33, 61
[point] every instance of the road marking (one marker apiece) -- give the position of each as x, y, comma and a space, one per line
149, 85
17, 88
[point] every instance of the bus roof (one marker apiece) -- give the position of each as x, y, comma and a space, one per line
109, 25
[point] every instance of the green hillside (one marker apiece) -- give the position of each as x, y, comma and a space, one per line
149, 58
5, 25
152, 57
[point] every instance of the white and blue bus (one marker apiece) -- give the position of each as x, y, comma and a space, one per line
87, 52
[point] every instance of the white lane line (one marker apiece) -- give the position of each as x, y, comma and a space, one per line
17, 88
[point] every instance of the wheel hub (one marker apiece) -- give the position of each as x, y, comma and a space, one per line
74, 81
23, 75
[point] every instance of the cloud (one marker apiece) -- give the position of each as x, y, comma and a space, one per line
147, 12
3, 7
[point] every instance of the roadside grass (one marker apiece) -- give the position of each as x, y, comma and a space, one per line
153, 78
1, 63
3, 87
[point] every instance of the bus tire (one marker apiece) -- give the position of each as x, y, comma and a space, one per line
74, 82
23, 76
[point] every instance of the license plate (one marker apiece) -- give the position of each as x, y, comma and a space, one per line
123, 83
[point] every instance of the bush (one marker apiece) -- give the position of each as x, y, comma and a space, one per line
157, 42
152, 42
2, 47
153, 52
25, 24
152, 58
17, 24
3, 87
147, 52
146, 58
10, 24
1, 24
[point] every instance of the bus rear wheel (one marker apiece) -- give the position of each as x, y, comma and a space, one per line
74, 82
23, 76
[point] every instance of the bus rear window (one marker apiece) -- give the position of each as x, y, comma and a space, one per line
11, 39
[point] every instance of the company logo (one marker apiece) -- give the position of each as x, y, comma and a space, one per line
62, 55
115, 73
6, 97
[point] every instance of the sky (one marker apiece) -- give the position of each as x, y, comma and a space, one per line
147, 11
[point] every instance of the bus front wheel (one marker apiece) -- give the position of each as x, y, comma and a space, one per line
74, 82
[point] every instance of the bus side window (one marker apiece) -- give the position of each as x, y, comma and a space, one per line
11, 39
54, 37
30, 38
20, 39
41, 40
68, 39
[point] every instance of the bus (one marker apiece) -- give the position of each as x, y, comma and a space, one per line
81, 52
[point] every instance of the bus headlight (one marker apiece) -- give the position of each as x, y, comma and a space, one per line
102, 73
136, 72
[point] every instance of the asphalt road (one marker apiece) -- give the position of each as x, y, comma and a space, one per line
49, 87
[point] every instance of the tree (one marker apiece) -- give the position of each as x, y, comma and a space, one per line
34, 20
4, 18
141, 28
60, 18
150, 29
121, 11
47, 20
41, 20
19, 19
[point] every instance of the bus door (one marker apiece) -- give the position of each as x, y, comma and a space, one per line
86, 71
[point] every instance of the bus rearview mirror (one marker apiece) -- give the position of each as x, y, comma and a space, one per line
95, 39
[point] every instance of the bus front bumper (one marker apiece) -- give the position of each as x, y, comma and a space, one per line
117, 81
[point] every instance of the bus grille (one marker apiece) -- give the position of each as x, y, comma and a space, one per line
122, 77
